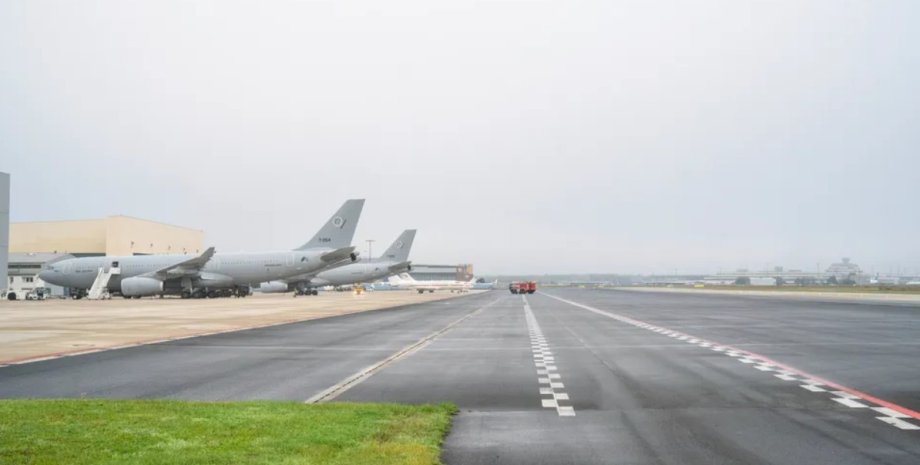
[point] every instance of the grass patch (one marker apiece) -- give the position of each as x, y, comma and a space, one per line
78, 432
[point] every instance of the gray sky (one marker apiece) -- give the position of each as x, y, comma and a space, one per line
529, 137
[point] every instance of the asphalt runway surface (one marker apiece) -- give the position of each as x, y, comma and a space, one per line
569, 376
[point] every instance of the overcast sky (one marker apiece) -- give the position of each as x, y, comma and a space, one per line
523, 137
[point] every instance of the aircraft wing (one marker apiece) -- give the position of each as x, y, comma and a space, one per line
188, 267
306, 277
399, 267
337, 255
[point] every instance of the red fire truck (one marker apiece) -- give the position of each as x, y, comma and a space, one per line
523, 287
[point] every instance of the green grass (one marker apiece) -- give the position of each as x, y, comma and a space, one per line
118, 432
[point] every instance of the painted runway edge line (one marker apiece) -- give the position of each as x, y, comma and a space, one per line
843, 395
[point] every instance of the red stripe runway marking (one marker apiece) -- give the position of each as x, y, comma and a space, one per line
746, 356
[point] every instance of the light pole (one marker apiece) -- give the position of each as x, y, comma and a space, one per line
370, 253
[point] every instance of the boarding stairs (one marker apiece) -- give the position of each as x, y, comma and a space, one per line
100, 289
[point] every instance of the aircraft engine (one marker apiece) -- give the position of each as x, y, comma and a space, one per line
140, 286
274, 287
213, 280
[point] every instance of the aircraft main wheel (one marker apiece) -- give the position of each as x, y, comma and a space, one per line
186, 295
314, 292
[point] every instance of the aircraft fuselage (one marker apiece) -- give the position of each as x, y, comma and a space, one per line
222, 270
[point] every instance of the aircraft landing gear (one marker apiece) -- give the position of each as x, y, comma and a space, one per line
240, 291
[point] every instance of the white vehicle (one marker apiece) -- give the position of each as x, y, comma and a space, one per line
405, 281
38, 293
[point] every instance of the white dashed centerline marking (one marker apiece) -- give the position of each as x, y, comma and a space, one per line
894, 415
550, 382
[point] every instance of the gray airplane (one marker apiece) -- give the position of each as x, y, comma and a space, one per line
211, 274
394, 260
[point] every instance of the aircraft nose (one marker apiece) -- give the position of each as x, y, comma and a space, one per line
47, 276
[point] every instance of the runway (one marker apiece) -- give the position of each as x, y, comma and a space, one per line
569, 376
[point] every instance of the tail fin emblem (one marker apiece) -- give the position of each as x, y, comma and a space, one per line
399, 244
338, 222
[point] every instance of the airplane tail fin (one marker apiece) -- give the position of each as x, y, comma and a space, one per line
340, 229
399, 249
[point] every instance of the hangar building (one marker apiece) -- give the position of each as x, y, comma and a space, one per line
113, 235
462, 272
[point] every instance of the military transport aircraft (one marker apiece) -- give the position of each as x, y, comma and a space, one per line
209, 274
394, 260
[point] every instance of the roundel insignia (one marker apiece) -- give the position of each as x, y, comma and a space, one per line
399, 244
338, 222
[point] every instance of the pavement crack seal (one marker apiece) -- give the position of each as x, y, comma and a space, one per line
550, 380
339, 388
891, 413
